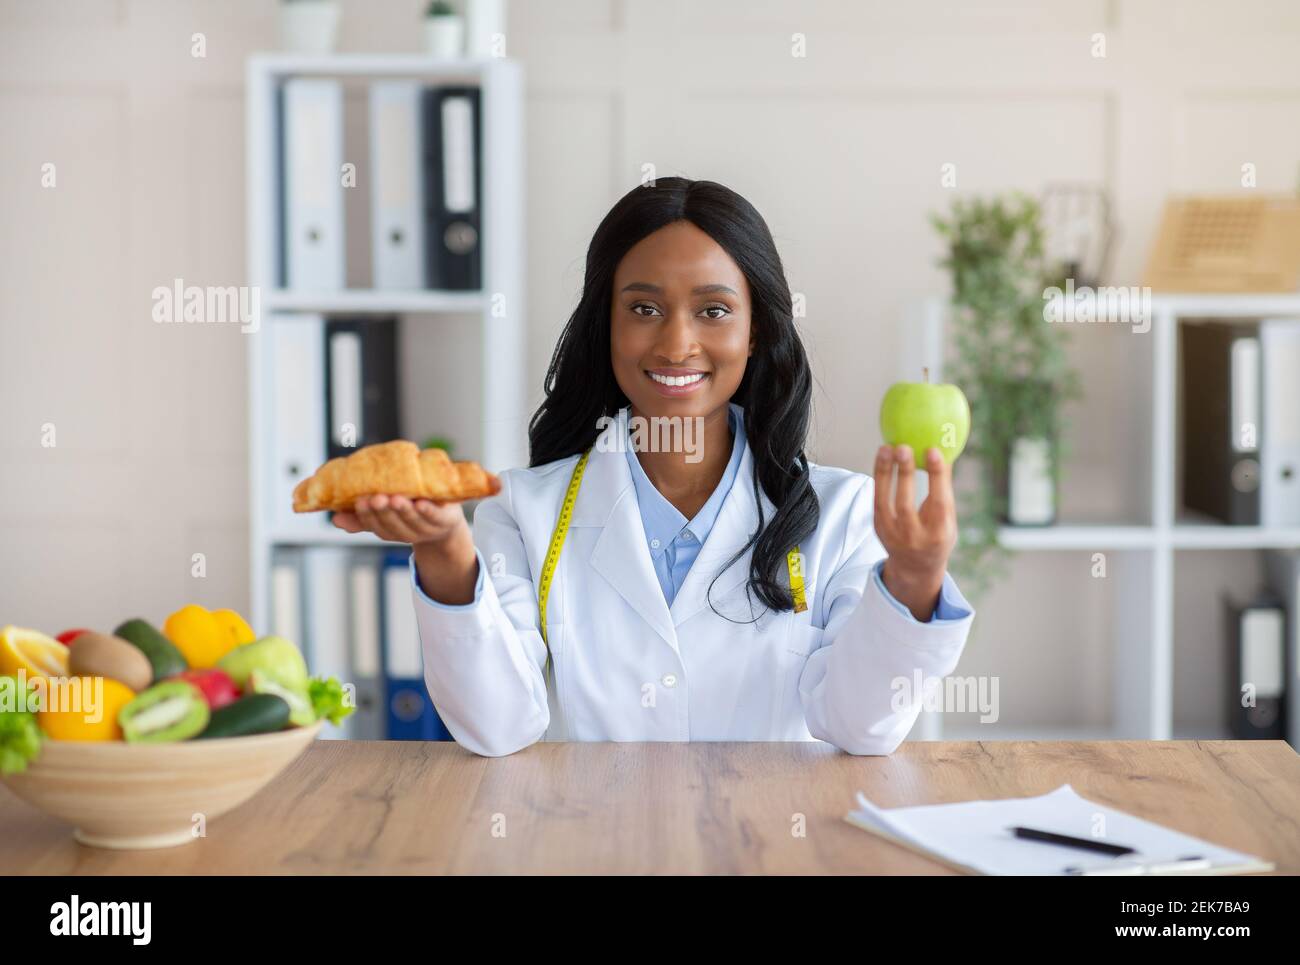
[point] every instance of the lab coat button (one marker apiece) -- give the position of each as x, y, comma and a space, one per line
669, 680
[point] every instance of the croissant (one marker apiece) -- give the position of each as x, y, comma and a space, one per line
397, 468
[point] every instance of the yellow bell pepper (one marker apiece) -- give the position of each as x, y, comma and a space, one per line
239, 630
201, 636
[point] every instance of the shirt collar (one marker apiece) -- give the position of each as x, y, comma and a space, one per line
661, 519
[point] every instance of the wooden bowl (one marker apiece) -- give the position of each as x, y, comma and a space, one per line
135, 796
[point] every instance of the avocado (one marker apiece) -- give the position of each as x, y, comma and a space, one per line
163, 656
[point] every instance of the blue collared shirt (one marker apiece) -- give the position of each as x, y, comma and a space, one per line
674, 541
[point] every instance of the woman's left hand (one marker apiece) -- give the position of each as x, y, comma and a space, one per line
918, 540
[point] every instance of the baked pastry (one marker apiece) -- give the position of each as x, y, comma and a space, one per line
397, 468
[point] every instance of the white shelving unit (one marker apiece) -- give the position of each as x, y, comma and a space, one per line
501, 399
1143, 560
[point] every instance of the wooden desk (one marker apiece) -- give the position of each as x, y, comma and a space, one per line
396, 808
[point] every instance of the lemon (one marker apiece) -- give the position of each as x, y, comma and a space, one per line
32, 652
77, 710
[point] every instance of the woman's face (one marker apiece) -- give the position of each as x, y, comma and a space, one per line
679, 324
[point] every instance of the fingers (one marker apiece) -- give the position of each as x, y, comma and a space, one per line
940, 473
411, 520
920, 539
368, 518
348, 522
402, 519
378, 516
438, 515
399, 519
884, 478
905, 498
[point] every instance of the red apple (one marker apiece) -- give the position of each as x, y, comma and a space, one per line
215, 685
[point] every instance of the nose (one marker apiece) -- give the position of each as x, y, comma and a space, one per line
676, 342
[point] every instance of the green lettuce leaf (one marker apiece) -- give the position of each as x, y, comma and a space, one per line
329, 699
20, 735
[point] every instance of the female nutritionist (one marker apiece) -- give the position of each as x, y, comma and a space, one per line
717, 588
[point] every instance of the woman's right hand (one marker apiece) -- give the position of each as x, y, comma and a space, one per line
398, 519
438, 533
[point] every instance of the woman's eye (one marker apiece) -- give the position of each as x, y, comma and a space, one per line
722, 311
641, 308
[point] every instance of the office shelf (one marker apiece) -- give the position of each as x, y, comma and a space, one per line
1224, 306
332, 537
1142, 657
1182, 536
1234, 537
501, 399
369, 301
373, 65
1077, 537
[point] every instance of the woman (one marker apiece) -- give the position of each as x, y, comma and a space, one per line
718, 587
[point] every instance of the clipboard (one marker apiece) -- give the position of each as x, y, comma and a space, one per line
973, 837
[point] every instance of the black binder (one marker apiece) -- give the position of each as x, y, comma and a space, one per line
360, 383
1221, 416
453, 188
1256, 657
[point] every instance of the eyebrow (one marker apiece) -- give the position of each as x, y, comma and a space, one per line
643, 286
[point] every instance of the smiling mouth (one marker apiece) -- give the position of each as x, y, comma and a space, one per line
678, 379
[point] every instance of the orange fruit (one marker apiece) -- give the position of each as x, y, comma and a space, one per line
76, 709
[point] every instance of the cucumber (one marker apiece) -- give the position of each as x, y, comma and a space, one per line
254, 714
163, 656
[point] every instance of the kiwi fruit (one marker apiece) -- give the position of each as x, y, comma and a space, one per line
170, 711
104, 655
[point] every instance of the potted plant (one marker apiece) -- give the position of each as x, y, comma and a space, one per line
1012, 366
309, 26
444, 30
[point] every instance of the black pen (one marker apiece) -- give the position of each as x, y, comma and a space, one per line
1086, 844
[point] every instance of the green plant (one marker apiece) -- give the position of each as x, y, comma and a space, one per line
439, 8
438, 442
1009, 361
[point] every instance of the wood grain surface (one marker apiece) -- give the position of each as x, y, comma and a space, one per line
734, 808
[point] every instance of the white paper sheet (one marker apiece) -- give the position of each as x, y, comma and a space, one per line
973, 835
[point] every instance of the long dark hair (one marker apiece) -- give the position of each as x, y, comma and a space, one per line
776, 391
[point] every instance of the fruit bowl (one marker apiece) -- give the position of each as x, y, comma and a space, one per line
137, 796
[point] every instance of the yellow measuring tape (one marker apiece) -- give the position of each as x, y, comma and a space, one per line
794, 563
793, 559
557, 543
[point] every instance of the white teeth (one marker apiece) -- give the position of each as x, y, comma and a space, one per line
677, 379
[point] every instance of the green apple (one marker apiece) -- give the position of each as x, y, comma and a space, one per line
275, 657
922, 415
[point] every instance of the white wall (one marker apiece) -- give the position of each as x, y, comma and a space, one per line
841, 150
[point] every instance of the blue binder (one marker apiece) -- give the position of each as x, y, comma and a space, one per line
411, 714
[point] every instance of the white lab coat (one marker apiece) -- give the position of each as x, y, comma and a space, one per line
627, 667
